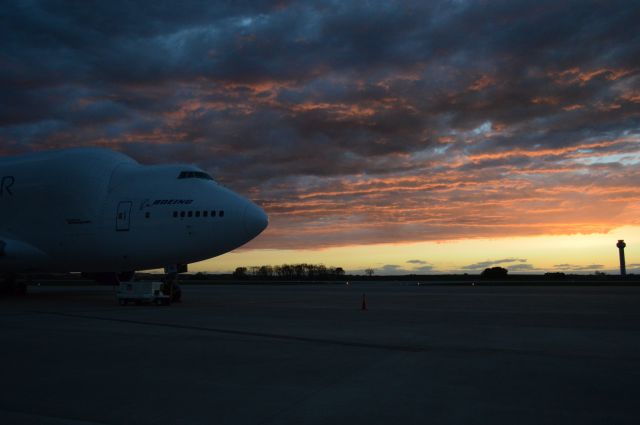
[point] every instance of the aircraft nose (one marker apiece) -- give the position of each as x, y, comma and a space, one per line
255, 220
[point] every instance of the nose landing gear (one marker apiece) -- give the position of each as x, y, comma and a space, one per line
171, 287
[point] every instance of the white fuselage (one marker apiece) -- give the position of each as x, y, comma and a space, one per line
95, 210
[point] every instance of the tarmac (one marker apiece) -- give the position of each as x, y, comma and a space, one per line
309, 353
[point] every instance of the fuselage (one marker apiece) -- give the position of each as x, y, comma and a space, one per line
95, 210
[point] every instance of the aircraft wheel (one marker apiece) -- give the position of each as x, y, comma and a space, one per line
176, 293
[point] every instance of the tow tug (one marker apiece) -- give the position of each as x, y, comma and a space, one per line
142, 293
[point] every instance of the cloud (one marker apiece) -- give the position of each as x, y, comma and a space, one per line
523, 268
395, 269
416, 262
423, 269
578, 268
353, 122
391, 269
484, 264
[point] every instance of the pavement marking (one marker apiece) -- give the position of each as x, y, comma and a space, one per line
337, 342
404, 348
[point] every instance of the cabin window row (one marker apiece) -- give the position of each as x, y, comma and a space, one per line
212, 213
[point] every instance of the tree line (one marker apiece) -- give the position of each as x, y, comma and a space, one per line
290, 271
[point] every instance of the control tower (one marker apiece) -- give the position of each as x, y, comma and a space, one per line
623, 267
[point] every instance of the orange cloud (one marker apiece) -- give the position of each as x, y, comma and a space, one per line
339, 109
481, 83
573, 107
545, 100
576, 75
632, 96
551, 151
454, 203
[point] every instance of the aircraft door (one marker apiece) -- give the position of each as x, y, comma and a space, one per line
123, 216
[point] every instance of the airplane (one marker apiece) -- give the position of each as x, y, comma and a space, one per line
101, 213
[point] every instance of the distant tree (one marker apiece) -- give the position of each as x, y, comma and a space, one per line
298, 271
265, 271
290, 271
309, 270
369, 272
240, 272
287, 271
494, 272
321, 271
277, 271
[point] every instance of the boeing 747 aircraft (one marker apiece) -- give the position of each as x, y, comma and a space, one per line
102, 213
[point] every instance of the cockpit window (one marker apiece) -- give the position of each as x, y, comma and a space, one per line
194, 175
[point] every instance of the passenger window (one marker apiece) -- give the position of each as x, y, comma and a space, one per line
147, 215
221, 213
205, 213
190, 214
181, 213
175, 214
213, 213
197, 213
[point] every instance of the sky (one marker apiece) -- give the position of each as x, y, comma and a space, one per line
423, 137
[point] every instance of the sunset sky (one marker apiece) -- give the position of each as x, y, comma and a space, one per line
426, 137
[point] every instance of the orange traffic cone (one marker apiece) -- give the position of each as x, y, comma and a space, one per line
364, 302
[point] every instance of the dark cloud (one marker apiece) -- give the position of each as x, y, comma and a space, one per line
395, 269
484, 264
523, 268
422, 269
390, 269
350, 122
578, 268
416, 262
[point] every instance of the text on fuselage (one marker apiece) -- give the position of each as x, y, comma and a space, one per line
173, 201
6, 184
